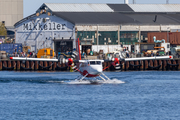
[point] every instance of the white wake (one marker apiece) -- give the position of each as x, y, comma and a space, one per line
86, 82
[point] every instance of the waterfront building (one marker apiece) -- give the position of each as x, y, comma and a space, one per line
98, 26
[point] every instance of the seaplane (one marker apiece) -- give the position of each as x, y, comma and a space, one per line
92, 69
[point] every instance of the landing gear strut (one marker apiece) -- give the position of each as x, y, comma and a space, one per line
102, 76
82, 78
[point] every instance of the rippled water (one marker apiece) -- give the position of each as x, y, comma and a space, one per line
152, 95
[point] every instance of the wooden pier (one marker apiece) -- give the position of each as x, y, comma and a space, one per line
161, 65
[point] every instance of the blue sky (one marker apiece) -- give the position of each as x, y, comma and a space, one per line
30, 6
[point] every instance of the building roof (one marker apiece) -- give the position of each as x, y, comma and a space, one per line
61, 7
120, 7
138, 14
152, 14
155, 7
119, 18
95, 18
58, 7
24, 19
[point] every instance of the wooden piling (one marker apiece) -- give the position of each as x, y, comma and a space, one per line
179, 64
54, 66
36, 65
126, 65
0, 65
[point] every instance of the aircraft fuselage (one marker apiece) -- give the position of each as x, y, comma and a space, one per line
91, 68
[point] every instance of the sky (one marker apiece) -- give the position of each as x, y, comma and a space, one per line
30, 6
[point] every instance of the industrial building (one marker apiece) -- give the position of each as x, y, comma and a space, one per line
11, 11
98, 26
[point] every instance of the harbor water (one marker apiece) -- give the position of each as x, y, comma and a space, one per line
141, 95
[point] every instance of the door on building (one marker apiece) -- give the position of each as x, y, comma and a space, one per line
33, 48
132, 48
86, 49
63, 46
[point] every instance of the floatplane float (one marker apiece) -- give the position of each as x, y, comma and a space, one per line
92, 69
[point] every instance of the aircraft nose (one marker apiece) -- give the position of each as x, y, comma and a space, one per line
96, 70
99, 70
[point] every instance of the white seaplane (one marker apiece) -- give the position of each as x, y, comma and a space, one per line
92, 68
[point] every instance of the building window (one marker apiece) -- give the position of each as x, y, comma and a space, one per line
128, 37
108, 37
87, 37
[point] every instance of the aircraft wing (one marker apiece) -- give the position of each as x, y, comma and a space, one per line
81, 61
149, 58
116, 60
33, 59
49, 60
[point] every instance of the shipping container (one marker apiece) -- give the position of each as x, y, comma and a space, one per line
11, 48
18, 47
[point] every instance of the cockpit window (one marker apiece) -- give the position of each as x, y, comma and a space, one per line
98, 62
92, 62
95, 62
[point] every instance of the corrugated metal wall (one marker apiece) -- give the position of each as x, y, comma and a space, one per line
11, 48
64, 7
11, 11
155, 7
172, 37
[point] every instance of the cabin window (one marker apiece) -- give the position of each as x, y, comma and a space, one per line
92, 62
98, 62
95, 62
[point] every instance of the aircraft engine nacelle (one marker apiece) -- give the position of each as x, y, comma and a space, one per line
116, 64
70, 62
116, 61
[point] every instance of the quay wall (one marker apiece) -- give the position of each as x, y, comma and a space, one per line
163, 65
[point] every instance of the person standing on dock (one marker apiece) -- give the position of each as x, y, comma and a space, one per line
127, 53
152, 54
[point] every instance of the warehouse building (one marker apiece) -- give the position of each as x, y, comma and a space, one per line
98, 26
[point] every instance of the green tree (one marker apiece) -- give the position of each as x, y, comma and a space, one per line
3, 31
